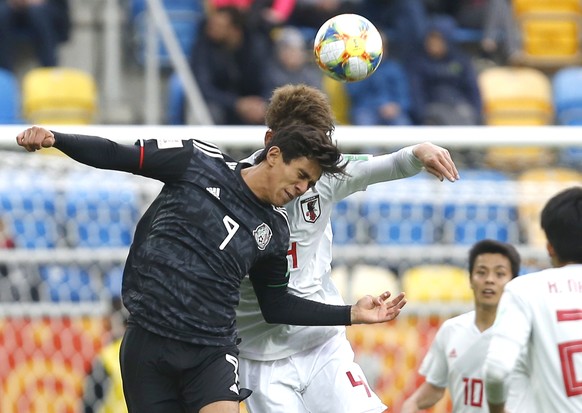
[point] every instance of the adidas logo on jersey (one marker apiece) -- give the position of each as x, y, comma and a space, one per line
214, 191
453, 354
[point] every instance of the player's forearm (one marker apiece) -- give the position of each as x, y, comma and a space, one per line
292, 310
424, 397
397, 165
98, 152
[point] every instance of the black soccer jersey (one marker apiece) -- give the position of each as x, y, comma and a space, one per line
203, 233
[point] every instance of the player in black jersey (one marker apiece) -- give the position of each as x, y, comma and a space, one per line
214, 221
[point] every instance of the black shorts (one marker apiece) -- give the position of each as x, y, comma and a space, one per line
163, 375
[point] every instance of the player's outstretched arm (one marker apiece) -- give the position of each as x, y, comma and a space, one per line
436, 160
371, 310
426, 396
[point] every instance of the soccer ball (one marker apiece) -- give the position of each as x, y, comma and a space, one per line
348, 48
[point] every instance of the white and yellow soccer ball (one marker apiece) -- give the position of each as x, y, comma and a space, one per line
348, 48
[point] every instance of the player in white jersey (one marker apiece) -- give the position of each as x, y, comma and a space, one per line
455, 358
299, 370
543, 313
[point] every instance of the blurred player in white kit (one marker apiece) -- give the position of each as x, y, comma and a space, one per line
542, 312
455, 358
303, 370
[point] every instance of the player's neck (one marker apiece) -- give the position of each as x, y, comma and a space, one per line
255, 180
484, 317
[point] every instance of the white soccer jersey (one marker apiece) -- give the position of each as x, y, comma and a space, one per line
455, 360
310, 255
543, 312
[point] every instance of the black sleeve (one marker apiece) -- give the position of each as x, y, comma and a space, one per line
278, 306
143, 158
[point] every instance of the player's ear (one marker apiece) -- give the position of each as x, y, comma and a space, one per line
268, 136
551, 251
273, 155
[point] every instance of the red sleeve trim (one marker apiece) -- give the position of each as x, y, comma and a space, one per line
141, 155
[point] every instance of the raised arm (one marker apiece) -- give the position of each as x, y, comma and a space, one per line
147, 157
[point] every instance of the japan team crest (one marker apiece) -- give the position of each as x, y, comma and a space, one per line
262, 235
310, 208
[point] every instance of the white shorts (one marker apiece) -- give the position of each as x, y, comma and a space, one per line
320, 380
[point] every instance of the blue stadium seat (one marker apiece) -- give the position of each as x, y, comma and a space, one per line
567, 91
398, 214
344, 220
27, 206
100, 209
482, 204
185, 18
67, 284
176, 100
9, 98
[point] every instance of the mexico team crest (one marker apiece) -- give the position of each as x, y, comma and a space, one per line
310, 208
262, 235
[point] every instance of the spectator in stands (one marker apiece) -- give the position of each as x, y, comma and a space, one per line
263, 15
384, 97
291, 63
311, 14
405, 21
493, 18
45, 22
229, 65
443, 81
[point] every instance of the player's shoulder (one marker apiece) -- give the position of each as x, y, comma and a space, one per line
529, 282
465, 320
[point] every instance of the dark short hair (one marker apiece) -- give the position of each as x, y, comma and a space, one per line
299, 104
561, 220
490, 246
297, 141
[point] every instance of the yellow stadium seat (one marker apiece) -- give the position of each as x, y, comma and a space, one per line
59, 95
338, 99
363, 280
536, 186
550, 39
512, 97
437, 283
516, 96
543, 6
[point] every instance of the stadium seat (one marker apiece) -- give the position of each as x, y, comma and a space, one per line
59, 95
338, 99
395, 214
481, 205
27, 206
521, 97
567, 93
516, 96
363, 280
543, 6
550, 31
67, 284
176, 101
344, 221
9, 98
536, 186
437, 283
185, 17
101, 209
549, 39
